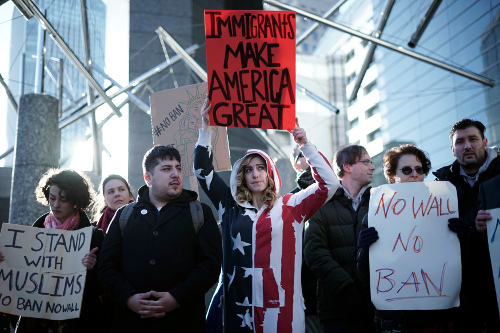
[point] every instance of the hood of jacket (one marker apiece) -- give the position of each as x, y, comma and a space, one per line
184, 197
272, 171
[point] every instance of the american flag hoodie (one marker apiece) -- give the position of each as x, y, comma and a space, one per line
262, 249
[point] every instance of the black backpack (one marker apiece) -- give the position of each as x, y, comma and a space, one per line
194, 206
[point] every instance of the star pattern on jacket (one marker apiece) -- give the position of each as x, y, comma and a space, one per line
239, 244
245, 302
247, 320
250, 213
208, 178
221, 210
231, 277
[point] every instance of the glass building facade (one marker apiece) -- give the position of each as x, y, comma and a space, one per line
66, 18
403, 99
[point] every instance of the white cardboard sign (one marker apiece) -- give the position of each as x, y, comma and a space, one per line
415, 264
493, 228
42, 275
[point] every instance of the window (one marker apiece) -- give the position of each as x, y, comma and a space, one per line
349, 56
351, 77
370, 87
373, 135
354, 122
372, 111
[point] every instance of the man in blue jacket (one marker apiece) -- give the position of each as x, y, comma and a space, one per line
158, 263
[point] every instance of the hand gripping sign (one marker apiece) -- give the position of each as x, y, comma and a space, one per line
42, 275
493, 229
415, 264
251, 68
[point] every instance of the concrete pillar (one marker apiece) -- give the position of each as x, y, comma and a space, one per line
37, 148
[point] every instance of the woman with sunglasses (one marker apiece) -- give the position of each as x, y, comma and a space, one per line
403, 164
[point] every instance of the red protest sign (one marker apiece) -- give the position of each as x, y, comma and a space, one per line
251, 68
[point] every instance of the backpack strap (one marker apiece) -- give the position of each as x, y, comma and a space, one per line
196, 214
125, 215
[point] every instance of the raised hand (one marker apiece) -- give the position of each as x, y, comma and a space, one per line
299, 134
205, 120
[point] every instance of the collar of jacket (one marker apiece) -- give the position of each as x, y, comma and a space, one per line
170, 210
340, 195
452, 171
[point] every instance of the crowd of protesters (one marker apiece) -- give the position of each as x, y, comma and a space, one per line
154, 257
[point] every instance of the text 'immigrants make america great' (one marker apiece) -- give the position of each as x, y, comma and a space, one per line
251, 68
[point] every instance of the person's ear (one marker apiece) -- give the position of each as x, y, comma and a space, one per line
452, 149
347, 167
485, 143
147, 178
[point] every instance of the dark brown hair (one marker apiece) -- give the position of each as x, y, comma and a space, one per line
77, 187
392, 156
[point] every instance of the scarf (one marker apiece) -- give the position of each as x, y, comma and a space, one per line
52, 223
106, 217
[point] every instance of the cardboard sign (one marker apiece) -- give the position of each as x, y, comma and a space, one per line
42, 275
176, 119
493, 228
251, 68
415, 264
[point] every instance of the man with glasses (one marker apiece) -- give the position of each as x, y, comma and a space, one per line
331, 245
474, 164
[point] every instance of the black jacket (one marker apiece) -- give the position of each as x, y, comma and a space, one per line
330, 249
476, 266
91, 319
161, 251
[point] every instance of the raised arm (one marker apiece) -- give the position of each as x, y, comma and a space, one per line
308, 201
214, 186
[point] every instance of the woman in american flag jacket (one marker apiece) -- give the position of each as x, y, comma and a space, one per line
262, 233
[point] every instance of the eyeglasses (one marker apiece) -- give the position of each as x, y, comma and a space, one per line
365, 162
408, 170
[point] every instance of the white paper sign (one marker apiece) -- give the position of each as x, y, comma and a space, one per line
42, 275
493, 228
415, 264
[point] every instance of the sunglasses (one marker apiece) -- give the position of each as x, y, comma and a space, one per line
298, 156
408, 170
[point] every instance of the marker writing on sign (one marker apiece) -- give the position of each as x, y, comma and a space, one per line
400, 204
386, 284
250, 25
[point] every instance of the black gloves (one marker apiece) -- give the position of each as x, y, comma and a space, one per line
458, 226
367, 237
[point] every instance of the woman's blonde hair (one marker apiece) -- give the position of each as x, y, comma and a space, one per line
268, 196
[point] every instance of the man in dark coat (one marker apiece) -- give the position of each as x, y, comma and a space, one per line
331, 245
157, 266
475, 163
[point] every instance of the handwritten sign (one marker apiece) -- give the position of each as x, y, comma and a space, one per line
415, 264
42, 275
493, 228
251, 68
176, 119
